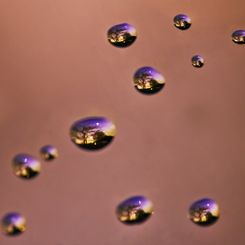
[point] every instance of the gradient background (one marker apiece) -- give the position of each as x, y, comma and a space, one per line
185, 143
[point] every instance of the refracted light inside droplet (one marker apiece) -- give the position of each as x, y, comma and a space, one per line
148, 80
204, 212
238, 37
26, 166
13, 224
197, 61
48, 152
182, 21
134, 210
92, 133
122, 35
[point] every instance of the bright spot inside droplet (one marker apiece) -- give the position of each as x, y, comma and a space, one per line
13, 224
48, 152
134, 210
182, 21
238, 36
92, 133
197, 61
122, 35
26, 166
204, 212
148, 80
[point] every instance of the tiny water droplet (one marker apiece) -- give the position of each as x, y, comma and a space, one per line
122, 35
134, 210
148, 80
182, 21
26, 166
48, 152
13, 224
204, 212
238, 37
92, 133
197, 61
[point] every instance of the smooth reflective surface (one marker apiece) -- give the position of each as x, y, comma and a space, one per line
148, 80
238, 36
48, 152
197, 61
92, 133
13, 224
26, 166
122, 35
204, 212
134, 210
182, 21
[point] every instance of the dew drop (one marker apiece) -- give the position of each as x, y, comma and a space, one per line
26, 166
182, 21
238, 36
147, 80
204, 212
13, 224
92, 133
122, 35
48, 152
134, 210
197, 61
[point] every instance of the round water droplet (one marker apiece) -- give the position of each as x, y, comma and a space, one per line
147, 80
204, 212
92, 133
182, 21
122, 35
26, 166
13, 224
48, 152
197, 61
134, 210
238, 36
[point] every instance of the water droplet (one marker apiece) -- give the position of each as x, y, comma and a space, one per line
204, 212
197, 61
134, 210
13, 224
238, 36
26, 166
48, 152
92, 133
122, 35
147, 80
182, 21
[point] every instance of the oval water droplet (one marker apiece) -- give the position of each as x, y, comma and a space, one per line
182, 21
92, 133
238, 36
134, 210
48, 152
197, 61
122, 35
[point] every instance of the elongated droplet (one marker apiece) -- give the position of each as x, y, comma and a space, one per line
182, 22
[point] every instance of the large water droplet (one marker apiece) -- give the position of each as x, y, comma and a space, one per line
26, 166
134, 210
238, 36
122, 35
182, 21
13, 224
92, 133
204, 212
49, 152
147, 80
197, 61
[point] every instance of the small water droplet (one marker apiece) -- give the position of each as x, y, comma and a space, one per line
197, 61
204, 212
182, 21
26, 166
147, 80
134, 210
238, 36
122, 35
92, 133
13, 224
49, 152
